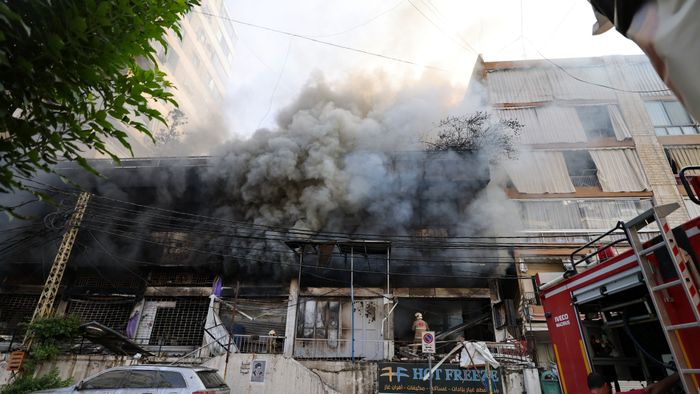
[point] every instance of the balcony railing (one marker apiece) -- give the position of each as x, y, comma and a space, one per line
585, 178
341, 349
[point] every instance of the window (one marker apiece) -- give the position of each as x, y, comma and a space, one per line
591, 214
171, 380
670, 118
211, 379
108, 380
138, 379
582, 169
317, 319
596, 121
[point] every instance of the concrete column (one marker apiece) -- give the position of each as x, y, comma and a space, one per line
290, 329
500, 334
388, 327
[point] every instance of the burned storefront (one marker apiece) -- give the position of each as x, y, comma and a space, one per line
178, 265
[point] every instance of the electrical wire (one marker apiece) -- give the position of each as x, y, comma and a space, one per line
437, 26
470, 274
277, 83
156, 288
601, 85
365, 23
291, 231
127, 225
308, 38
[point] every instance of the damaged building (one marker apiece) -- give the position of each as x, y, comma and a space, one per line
145, 267
604, 139
319, 255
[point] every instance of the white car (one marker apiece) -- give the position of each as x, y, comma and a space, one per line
149, 379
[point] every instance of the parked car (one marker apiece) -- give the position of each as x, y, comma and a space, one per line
150, 379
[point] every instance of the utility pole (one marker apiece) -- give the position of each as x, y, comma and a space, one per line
44, 307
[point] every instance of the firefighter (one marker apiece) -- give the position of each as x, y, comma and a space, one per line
598, 384
419, 327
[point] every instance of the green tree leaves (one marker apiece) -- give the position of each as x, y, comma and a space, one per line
71, 79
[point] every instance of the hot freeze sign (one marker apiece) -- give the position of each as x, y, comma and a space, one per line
405, 378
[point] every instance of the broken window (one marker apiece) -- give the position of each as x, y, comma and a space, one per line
596, 121
582, 169
670, 118
318, 319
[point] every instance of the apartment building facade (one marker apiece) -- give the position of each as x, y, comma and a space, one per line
603, 140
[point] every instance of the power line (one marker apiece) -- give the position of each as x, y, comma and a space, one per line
370, 20
286, 234
277, 83
357, 50
440, 16
426, 17
292, 264
113, 221
566, 72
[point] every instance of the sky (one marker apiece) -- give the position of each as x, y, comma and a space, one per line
438, 36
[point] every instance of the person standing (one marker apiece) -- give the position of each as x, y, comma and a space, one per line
419, 327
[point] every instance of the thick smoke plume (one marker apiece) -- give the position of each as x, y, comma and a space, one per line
345, 157
349, 157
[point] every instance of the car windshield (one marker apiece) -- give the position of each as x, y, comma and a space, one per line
211, 379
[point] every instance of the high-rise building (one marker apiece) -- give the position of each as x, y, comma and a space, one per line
199, 65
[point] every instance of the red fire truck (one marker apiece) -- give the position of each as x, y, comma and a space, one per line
634, 316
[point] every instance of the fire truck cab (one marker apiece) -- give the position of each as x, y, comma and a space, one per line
627, 315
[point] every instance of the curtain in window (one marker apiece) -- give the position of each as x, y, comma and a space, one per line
598, 214
547, 125
528, 118
619, 170
618, 122
685, 156
540, 172
519, 86
560, 124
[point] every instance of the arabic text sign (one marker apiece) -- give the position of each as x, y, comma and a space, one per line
407, 378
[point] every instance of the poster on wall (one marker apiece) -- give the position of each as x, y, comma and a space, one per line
257, 374
407, 378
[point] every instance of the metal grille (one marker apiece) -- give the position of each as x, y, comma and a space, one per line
16, 309
182, 325
170, 278
113, 313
